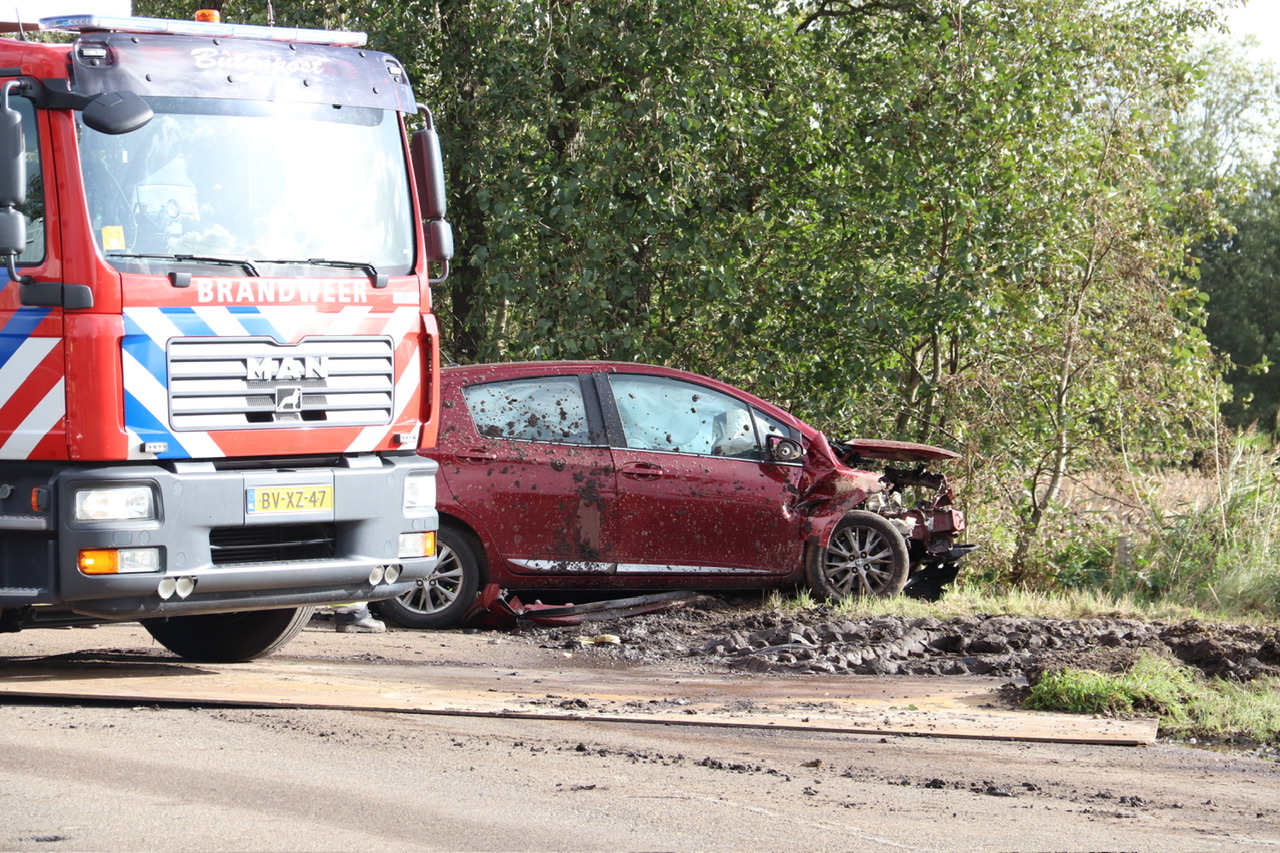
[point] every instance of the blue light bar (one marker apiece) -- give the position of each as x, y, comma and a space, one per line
92, 23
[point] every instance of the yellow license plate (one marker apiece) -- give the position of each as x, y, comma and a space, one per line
288, 499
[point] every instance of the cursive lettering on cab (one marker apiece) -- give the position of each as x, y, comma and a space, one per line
212, 57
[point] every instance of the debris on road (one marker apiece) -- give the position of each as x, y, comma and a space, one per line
601, 640
496, 608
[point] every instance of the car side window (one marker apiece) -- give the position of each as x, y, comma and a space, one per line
658, 413
547, 408
767, 426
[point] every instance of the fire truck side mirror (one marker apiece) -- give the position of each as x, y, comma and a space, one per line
428, 176
13, 165
428, 172
13, 235
439, 234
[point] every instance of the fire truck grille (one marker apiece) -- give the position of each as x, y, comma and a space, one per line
286, 543
247, 383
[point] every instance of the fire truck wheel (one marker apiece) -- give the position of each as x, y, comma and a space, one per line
866, 557
439, 600
228, 637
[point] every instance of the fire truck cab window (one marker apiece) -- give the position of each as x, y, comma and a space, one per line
33, 207
274, 184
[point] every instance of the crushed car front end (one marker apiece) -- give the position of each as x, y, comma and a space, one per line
893, 480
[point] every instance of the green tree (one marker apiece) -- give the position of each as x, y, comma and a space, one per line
612, 161
1240, 273
1227, 140
1014, 276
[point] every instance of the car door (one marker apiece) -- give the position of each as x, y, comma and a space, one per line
531, 467
697, 493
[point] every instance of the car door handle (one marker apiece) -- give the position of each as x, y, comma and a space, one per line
474, 456
641, 471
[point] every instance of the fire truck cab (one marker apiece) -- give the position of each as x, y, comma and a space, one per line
217, 351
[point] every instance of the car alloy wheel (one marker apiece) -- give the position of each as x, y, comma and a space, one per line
439, 600
866, 557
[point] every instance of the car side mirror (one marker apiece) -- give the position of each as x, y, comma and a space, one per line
783, 449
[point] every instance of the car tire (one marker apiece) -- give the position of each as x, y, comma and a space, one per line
228, 637
866, 557
439, 600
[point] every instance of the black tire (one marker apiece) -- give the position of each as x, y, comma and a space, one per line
866, 557
228, 637
439, 600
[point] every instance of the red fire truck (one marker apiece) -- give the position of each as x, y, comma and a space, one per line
217, 352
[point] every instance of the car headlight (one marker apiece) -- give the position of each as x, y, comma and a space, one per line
419, 493
121, 503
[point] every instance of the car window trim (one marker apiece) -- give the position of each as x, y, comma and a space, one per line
612, 421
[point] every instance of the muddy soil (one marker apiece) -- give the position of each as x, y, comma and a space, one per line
715, 636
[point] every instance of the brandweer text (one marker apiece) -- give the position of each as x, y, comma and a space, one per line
267, 290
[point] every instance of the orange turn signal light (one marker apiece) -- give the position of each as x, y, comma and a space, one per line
100, 562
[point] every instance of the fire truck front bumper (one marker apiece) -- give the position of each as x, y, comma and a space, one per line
143, 541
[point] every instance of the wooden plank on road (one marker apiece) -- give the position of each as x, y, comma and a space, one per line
937, 707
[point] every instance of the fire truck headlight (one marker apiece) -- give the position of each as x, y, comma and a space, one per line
126, 503
416, 545
419, 493
123, 561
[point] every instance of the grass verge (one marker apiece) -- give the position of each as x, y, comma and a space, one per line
1058, 604
1187, 704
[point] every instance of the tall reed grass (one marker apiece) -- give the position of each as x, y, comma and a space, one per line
1206, 540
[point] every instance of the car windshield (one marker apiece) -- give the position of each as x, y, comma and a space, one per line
214, 181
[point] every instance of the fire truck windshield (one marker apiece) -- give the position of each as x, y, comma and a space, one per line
253, 180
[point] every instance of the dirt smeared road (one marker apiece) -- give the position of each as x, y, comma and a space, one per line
109, 777
823, 641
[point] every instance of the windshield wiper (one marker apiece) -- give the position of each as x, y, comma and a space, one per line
367, 267
244, 263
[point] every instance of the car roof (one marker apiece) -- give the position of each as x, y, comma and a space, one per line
883, 449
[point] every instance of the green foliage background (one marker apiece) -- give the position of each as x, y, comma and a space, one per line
977, 223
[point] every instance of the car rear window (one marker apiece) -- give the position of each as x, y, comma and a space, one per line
546, 408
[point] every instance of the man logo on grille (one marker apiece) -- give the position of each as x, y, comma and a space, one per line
288, 399
287, 368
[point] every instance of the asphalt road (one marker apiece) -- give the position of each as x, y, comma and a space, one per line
142, 776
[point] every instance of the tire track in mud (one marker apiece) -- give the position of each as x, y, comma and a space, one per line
821, 641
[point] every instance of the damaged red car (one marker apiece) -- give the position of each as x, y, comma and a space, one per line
597, 476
